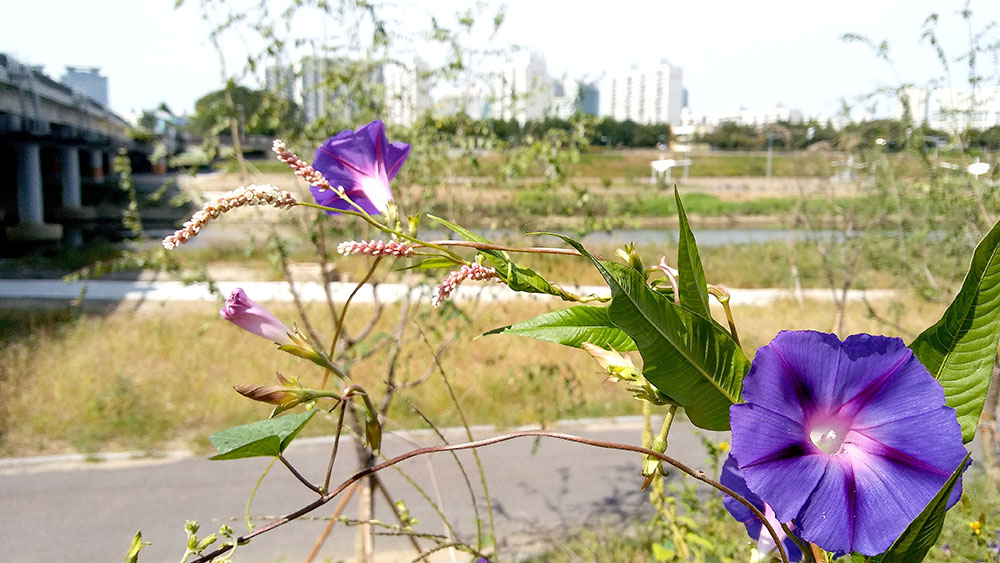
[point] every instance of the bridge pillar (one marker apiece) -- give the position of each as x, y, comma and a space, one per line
96, 165
72, 206
30, 210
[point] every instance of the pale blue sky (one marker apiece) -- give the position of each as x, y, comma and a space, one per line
733, 52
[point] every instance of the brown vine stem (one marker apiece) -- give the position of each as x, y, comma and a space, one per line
699, 475
487, 246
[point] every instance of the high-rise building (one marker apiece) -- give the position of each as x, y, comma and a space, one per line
313, 84
649, 95
407, 92
88, 81
520, 88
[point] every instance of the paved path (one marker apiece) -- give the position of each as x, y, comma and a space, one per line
65, 509
159, 290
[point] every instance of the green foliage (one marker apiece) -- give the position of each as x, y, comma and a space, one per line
260, 112
920, 536
518, 278
133, 551
691, 285
959, 349
689, 358
125, 409
572, 327
263, 438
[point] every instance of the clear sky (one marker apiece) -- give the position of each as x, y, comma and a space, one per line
733, 52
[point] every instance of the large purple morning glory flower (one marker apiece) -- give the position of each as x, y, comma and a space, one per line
732, 477
850, 440
363, 162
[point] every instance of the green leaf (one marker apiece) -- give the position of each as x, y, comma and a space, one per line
691, 285
264, 438
960, 348
430, 263
572, 327
133, 551
516, 277
686, 356
923, 532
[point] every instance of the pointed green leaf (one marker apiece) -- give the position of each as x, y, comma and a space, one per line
266, 438
518, 278
572, 327
923, 532
686, 356
691, 284
960, 348
431, 263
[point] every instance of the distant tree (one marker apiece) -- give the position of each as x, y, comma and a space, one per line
260, 113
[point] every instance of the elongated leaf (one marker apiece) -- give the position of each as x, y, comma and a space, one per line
959, 349
691, 284
266, 438
572, 327
923, 532
431, 263
518, 278
686, 356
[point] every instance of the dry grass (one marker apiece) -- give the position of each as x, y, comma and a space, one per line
164, 377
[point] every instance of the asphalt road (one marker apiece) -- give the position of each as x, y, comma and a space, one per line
66, 510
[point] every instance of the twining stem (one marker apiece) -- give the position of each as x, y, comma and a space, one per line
299, 476
487, 246
722, 295
330, 524
803, 547
385, 228
475, 453
253, 493
343, 312
699, 475
336, 445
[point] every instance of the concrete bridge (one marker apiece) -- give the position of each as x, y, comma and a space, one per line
51, 139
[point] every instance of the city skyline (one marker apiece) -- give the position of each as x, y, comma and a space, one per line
732, 57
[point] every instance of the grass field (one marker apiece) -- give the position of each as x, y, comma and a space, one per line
73, 380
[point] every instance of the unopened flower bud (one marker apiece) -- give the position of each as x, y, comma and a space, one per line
617, 366
252, 317
272, 394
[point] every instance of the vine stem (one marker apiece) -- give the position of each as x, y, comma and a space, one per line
386, 229
699, 475
488, 246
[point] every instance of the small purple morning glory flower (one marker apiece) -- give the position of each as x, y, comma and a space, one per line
732, 477
363, 162
253, 317
850, 440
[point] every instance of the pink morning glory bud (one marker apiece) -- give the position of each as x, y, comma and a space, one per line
252, 317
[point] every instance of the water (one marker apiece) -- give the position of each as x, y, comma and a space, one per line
645, 237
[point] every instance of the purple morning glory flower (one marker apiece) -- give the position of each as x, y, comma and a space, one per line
732, 477
850, 440
252, 317
363, 162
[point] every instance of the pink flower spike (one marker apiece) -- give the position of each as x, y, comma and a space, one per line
252, 317
376, 248
476, 272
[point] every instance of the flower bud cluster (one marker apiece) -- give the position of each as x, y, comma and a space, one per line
376, 248
476, 272
302, 168
240, 197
